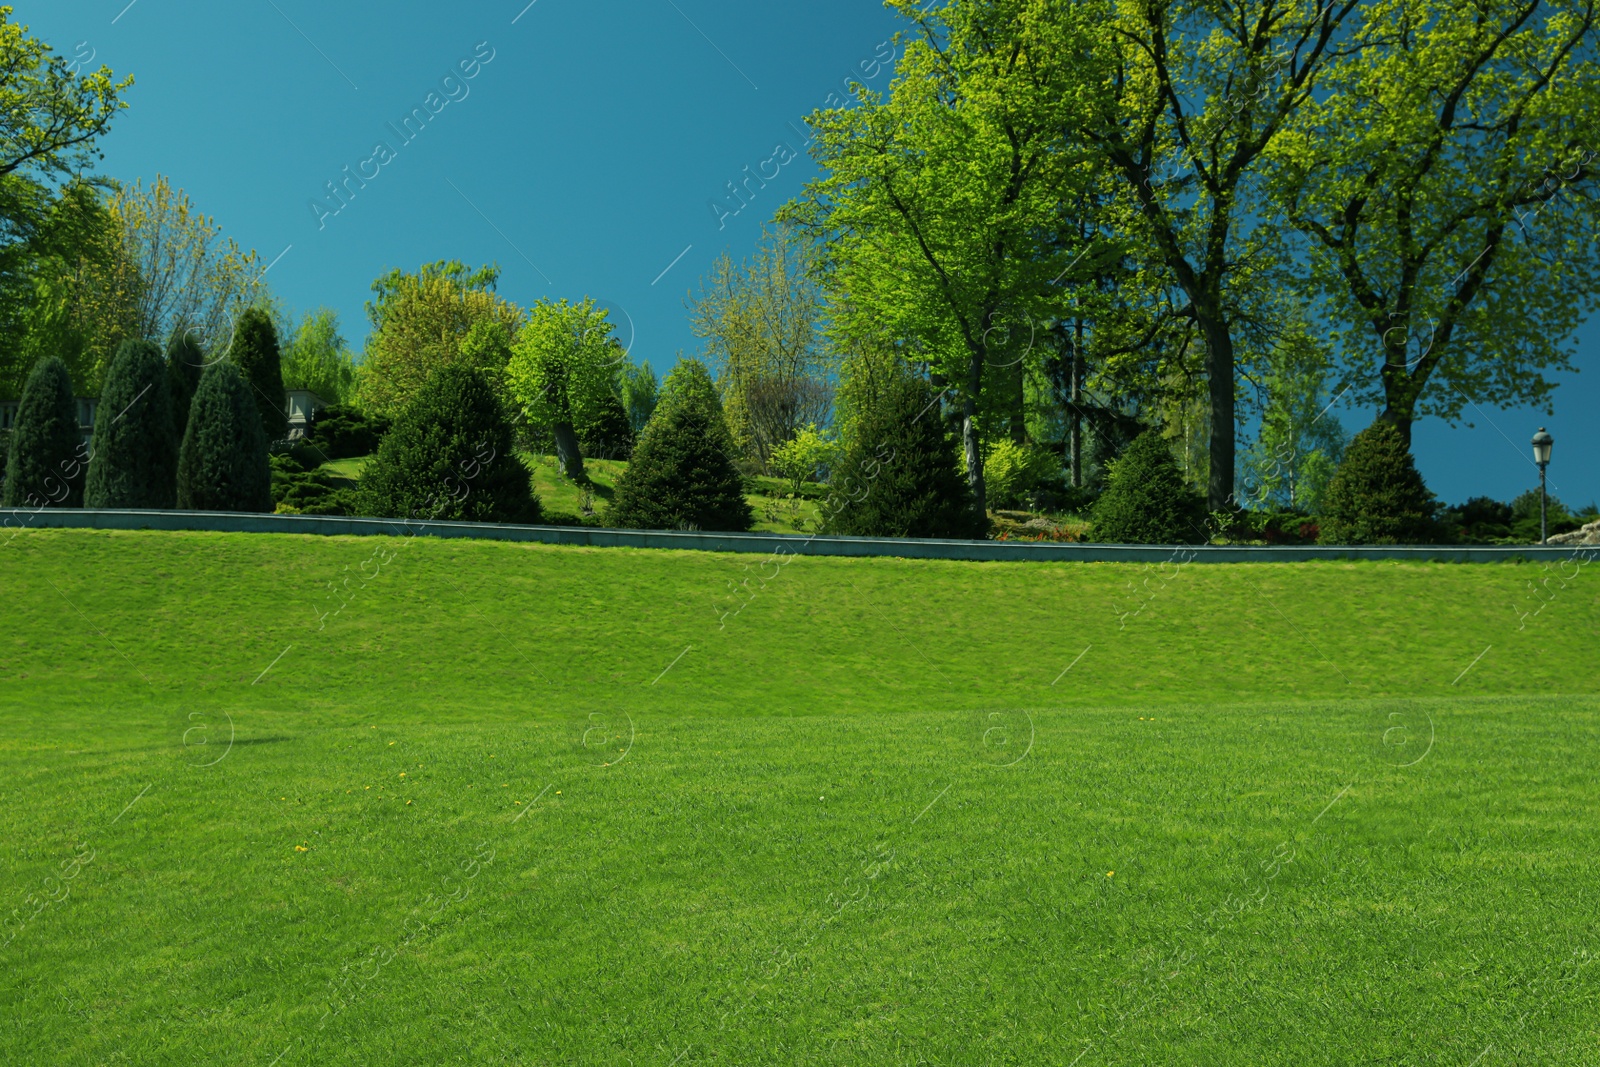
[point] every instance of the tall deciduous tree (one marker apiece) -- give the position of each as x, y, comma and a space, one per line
44, 465
564, 372
188, 276
134, 452
317, 358
50, 113
1445, 175
423, 321
255, 352
942, 204
1199, 92
761, 324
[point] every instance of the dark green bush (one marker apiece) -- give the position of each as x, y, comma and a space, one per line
46, 458
1377, 496
186, 361
1146, 501
682, 475
255, 352
901, 475
297, 486
222, 465
449, 456
134, 455
605, 432
339, 431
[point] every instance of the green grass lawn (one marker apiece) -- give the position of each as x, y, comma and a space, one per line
519, 804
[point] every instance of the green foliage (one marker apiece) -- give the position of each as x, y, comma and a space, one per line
222, 465
255, 352
1525, 517
900, 476
1377, 496
339, 432
1146, 501
443, 314
318, 359
1444, 179
639, 394
45, 459
682, 475
1301, 441
603, 428
449, 456
1015, 471
134, 454
186, 362
298, 488
563, 373
805, 456
52, 111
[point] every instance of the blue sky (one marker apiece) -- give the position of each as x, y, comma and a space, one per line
582, 156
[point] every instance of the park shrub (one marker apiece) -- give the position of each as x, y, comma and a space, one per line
1015, 474
1525, 517
1377, 496
134, 453
45, 457
340, 431
901, 476
682, 475
222, 465
186, 362
255, 352
1146, 501
449, 456
807, 456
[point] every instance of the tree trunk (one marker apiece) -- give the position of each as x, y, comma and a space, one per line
1219, 371
969, 440
568, 452
1400, 391
1400, 419
1075, 384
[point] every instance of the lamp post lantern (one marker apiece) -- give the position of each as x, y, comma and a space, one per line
1541, 455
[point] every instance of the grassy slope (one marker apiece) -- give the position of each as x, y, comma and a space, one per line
807, 847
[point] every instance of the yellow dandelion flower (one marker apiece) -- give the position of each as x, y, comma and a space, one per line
1110, 873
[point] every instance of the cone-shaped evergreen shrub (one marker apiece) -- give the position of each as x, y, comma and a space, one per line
901, 475
185, 363
449, 456
1146, 501
46, 460
604, 432
255, 352
682, 474
133, 460
1377, 497
223, 463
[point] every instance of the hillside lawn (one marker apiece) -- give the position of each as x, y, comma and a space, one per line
524, 804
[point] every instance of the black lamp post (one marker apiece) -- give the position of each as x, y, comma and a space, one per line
1541, 455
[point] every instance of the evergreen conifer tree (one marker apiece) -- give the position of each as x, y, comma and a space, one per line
46, 460
1146, 501
682, 474
449, 456
134, 455
1377, 496
186, 361
223, 463
901, 475
255, 352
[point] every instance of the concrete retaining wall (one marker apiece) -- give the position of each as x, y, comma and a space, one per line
14, 521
